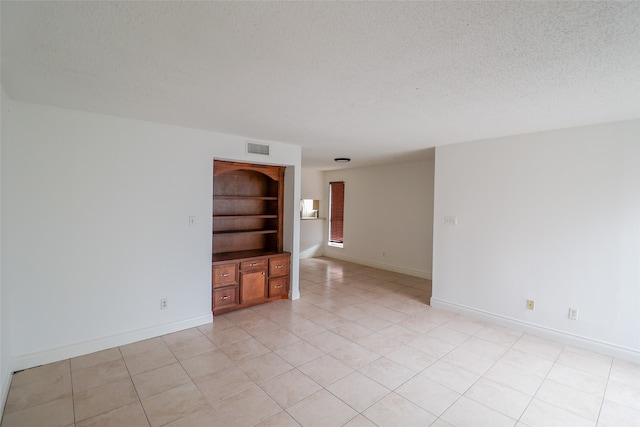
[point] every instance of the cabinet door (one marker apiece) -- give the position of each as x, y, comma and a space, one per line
253, 286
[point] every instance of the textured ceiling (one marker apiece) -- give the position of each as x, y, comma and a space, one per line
375, 81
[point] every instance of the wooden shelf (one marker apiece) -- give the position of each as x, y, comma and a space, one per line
224, 233
245, 197
243, 216
247, 207
240, 255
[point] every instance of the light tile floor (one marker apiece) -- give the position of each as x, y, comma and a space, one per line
360, 348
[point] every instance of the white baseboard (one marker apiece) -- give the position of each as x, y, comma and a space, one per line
586, 343
313, 252
294, 294
6, 383
55, 354
382, 266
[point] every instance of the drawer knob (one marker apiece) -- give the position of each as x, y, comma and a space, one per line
278, 287
225, 297
253, 264
225, 275
279, 266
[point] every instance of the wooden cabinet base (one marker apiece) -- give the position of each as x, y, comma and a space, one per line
245, 281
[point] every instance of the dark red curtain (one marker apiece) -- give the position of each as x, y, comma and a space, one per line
336, 220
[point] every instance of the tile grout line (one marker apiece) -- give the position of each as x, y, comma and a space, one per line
134, 385
73, 399
604, 394
541, 384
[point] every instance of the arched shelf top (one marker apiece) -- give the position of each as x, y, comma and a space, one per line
275, 173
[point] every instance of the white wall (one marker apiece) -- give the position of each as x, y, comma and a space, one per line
95, 227
553, 217
312, 231
291, 212
5, 364
388, 216
5, 355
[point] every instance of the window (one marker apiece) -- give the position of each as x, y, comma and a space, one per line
336, 213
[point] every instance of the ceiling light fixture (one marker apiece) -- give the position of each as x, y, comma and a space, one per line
342, 160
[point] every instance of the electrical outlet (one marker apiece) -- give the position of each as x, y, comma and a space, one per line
450, 220
573, 313
163, 304
530, 304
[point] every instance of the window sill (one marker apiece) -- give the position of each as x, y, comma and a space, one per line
335, 245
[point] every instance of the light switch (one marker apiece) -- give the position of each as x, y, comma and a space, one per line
192, 221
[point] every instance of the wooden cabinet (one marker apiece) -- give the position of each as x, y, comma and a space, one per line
247, 235
260, 279
278, 275
224, 281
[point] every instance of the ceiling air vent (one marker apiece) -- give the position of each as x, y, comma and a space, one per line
255, 148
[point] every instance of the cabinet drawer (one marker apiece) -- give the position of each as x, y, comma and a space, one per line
225, 297
225, 275
256, 264
278, 286
279, 266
